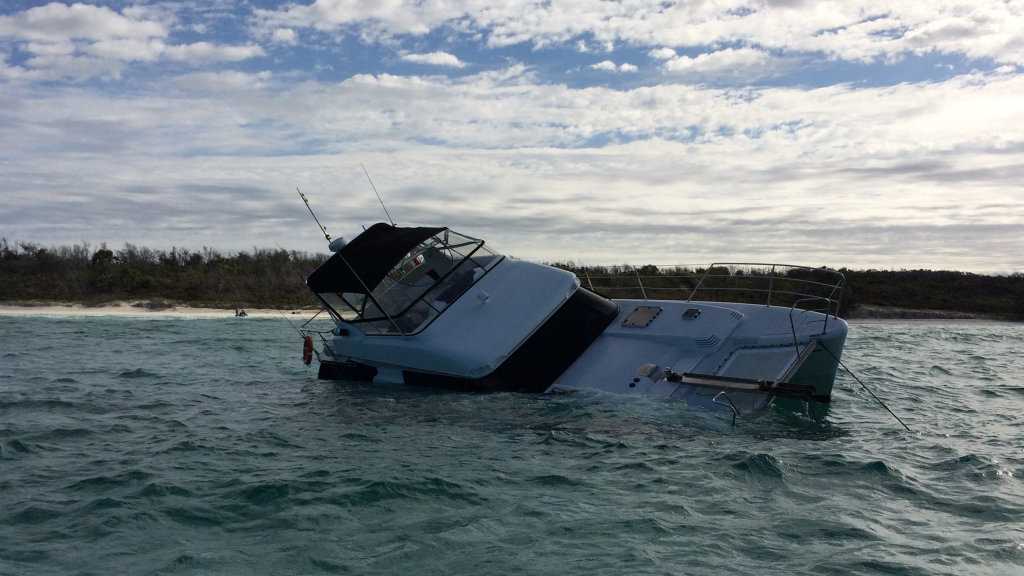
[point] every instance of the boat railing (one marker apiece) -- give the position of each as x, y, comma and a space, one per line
799, 287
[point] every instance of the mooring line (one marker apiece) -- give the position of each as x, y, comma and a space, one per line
865, 386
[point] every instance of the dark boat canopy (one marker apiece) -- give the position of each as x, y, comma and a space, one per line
368, 257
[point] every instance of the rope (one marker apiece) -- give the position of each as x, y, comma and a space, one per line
863, 385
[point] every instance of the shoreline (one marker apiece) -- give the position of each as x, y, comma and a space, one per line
167, 309
876, 312
139, 309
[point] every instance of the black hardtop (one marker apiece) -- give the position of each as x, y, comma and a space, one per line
362, 263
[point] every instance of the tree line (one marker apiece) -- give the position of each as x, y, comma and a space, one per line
275, 278
261, 278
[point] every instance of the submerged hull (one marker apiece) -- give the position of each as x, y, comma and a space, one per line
432, 307
638, 348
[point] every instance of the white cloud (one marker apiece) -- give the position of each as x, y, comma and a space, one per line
126, 49
435, 59
217, 82
59, 22
609, 66
207, 52
736, 63
662, 53
80, 41
849, 29
284, 36
873, 176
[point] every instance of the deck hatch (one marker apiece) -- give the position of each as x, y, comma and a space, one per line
641, 316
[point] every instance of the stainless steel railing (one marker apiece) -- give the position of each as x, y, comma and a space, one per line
799, 287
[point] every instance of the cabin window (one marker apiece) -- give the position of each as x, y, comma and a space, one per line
429, 279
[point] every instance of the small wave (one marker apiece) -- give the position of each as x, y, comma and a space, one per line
184, 446
640, 526
330, 566
760, 464
263, 494
137, 373
36, 404
429, 489
554, 480
109, 482
193, 516
266, 437
356, 437
18, 446
65, 380
879, 468
103, 503
159, 490
152, 405
638, 466
26, 556
182, 562
61, 434
33, 514
974, 467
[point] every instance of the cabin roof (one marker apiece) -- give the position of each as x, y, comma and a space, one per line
362, 263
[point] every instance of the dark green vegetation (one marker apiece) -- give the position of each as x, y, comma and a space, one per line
261, 278
274, 279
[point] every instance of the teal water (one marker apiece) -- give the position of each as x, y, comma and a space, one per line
160, 446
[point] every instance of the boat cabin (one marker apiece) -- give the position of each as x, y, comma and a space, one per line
396, 281
435, 307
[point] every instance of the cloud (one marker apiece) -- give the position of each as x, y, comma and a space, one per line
855, 30
207, 52
745, 64
435, 59
609, 66
284, 36
82, 41
858, 176
59, 22
223, 81
662, 54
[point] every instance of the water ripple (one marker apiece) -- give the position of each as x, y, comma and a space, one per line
226, 456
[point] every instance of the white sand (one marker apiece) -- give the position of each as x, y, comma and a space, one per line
127, 309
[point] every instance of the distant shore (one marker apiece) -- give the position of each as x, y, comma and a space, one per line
167, 309
138, 308
874, 312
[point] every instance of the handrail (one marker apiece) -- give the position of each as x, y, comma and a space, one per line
799, 287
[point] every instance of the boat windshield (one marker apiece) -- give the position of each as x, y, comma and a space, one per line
425, 282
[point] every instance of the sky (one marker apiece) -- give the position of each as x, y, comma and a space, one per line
856, 134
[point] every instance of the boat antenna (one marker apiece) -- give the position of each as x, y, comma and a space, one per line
308, 207
381, 200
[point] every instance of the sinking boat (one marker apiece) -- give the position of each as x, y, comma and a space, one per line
432, 307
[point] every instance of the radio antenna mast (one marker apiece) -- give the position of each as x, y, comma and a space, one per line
308, 207
381, 200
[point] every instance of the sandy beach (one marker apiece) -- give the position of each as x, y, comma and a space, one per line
141, 309
161, 309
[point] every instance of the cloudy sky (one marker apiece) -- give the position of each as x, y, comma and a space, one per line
849, 133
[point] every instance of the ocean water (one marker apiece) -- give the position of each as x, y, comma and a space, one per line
176, 446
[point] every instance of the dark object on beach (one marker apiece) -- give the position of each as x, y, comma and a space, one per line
240, 313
